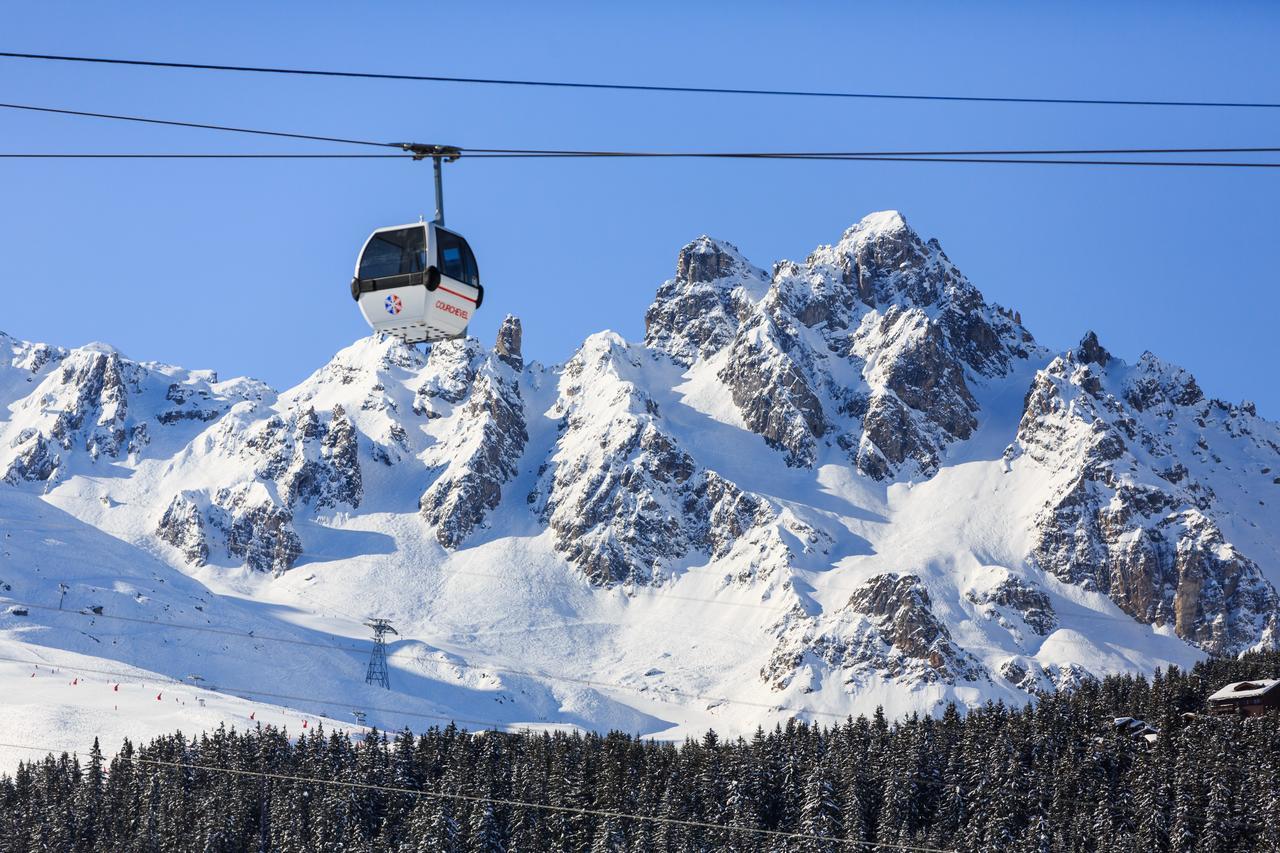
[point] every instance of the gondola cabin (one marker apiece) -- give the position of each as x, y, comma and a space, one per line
1247, 698
417, 282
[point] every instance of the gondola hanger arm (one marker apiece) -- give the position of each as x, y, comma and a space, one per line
421, 151
438, 154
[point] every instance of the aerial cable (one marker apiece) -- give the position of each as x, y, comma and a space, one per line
150, 156
1007, 152
420, 151
631, 87
772, 156
198, 125
900, 159
502, 801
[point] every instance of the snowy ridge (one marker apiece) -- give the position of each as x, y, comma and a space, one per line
838, 484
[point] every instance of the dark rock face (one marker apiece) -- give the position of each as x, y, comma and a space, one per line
98, 410
889, 438
182, 526
451, 371
613, 494
925, 374
625, 502
1159, 384
321, 465
507, 347
922, 402
887, 629
340, 450
1092, 352
775, 400
1016, 672
1026, 599
191, 404
260, 533
244, 519
1156, 550
724, 514
696, 314
34, 462
899, 607
490, 443
621, 524
314, 458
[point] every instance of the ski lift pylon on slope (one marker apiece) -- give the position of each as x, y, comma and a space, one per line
419, 282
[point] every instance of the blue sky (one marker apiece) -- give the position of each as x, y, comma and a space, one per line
243, 266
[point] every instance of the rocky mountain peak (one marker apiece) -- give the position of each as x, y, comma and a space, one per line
100, 348
1091, 352
707, 260
364, 362
1155, 382
507, 346
880, 230
695, 314
886, 262
882, 309
1132, 511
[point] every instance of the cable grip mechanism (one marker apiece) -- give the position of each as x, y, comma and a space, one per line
438, 154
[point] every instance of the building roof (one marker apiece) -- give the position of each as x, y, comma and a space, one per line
1244, 689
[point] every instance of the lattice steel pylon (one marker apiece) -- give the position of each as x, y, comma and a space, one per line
377, 673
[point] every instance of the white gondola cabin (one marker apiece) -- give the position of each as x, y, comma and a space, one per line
417, 282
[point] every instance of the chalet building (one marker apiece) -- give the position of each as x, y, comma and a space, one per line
1136, 729
1247, 698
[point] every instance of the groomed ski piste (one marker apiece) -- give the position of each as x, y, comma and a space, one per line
166, 653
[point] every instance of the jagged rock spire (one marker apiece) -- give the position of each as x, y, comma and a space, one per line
507, 346
1091, 352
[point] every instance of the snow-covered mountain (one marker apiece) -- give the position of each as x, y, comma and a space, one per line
842, 483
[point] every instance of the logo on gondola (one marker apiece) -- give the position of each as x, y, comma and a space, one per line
452, 309
394, 305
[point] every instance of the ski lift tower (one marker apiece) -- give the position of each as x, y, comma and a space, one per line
377, 673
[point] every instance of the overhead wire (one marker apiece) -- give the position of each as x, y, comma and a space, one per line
900, 159
769, 156
636, 87
1032, 156
501, 801
871, 153
153, 156
191, 124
